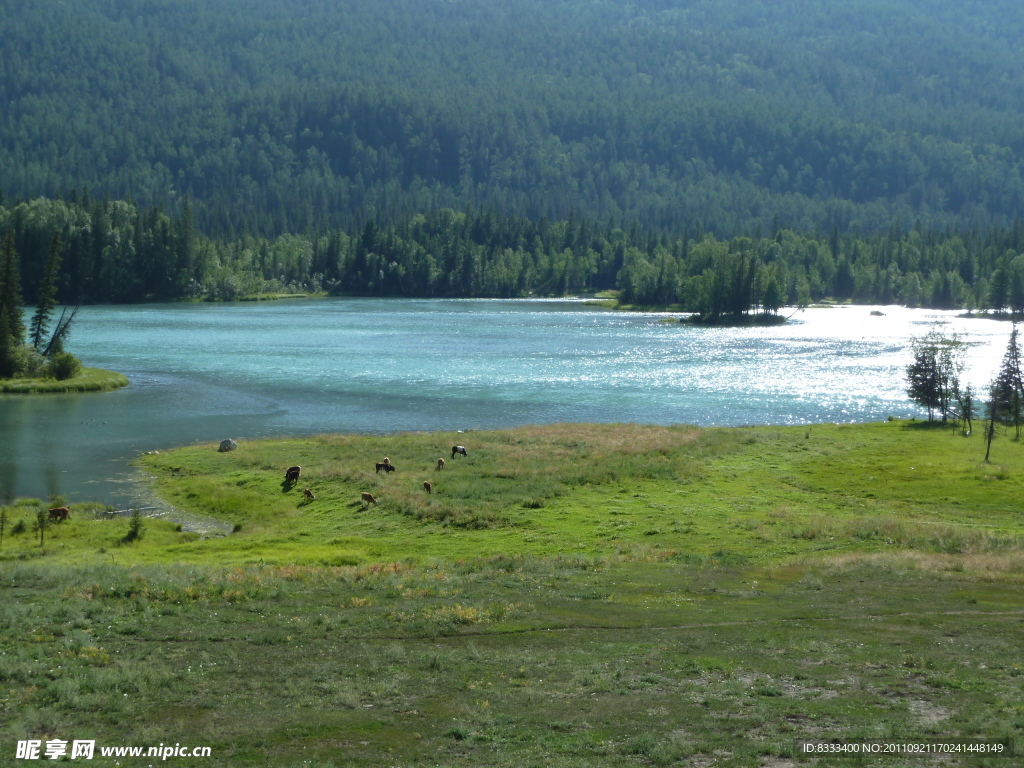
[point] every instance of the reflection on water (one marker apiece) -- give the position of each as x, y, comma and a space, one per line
207, 372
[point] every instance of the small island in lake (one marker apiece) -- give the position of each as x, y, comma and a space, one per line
735, 288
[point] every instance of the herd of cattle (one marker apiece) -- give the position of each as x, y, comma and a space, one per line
293, 473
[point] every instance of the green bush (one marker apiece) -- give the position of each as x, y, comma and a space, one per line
27, 363
135, 528
65, 366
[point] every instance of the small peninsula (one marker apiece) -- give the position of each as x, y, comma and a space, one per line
88, 380
33, 356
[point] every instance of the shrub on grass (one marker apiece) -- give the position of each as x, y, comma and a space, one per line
135, 528
459, 733
64, 366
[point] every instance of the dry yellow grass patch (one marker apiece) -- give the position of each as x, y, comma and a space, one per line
606, 438
986, 566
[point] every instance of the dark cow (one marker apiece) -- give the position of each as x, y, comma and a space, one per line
292, 474
427, 486
387, 466
458, 449
59, 513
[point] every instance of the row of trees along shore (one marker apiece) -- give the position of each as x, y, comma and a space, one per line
115, 251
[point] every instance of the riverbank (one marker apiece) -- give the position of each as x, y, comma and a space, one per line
566, 595
89, 380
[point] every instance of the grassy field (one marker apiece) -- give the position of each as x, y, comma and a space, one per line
89, 380
568, 595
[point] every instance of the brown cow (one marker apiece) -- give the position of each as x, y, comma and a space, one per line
292, 474
59, 513
440, 463
308, 494
386, 466
427, 486
368, 498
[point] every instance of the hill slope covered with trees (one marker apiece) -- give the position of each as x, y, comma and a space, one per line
283, 116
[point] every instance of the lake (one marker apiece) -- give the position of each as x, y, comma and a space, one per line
212, 371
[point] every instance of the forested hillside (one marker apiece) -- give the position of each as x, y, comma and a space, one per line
294, 116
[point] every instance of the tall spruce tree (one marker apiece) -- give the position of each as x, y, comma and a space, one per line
1008, 387
47, 295
7, 358
184, 245
1006, 393
12, 326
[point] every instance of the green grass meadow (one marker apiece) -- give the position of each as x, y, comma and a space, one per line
569, 595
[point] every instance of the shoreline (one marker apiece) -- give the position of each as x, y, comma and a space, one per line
89, 380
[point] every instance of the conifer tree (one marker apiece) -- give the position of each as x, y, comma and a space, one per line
1006, 393
184, 245
1008, 387
47, 295
6, 347
12, 328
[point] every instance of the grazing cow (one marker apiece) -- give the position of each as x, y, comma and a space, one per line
386, 466
440, 463
368, 498
458, 449
59, 513
427, 486
308, 494
292, 474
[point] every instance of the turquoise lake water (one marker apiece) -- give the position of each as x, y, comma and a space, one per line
209, 372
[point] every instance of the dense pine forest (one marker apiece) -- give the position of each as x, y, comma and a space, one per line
116, 251
289, 116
